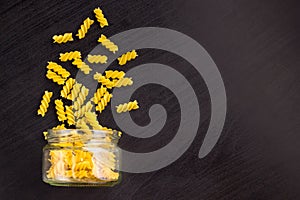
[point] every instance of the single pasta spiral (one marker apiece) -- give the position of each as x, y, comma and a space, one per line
75, 91
61, 115
108, 44
44, 103
104, 81
67, 88
133, 105
84, 28
70, 115
82, 66
127, 57
81, 98
123, 82
91, 119
86, 108
69, 56
55, 77
97, 59
58, 69
103, 102
99, 94
100, 17
63, 38
114, 74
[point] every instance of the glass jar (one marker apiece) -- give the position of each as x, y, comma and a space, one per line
76, 157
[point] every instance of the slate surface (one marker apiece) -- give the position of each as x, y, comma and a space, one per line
255, 44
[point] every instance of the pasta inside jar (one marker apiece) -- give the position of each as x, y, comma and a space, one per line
75, 157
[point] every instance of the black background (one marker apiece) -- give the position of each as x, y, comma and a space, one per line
255, 44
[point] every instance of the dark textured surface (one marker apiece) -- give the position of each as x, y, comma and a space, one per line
255, 44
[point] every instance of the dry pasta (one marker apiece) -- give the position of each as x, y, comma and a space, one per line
103, 102
100, 17
70, 115
84, 28
86, 108
97, 59
69, 56
75, 91
58, 69
123, 82
59, 106
113, 74
81, 98
133, 105
127, 57
55, 77
44, 103
67, 88
82, 66
108, 44
99, 94
104, 81
63, 38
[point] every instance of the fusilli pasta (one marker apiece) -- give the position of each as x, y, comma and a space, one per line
70, 115
133, 105
104, 81
127, 57
55, 77
100, 17
60, 111
103, 102
97, 59
82, 66
62, 38
108, 44
84, 28
123, 82
69, 56
67, 88
58, 69
44, 103
113, 74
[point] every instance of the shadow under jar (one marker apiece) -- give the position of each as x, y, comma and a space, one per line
75, 157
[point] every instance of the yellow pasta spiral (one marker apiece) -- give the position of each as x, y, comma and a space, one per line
97, 59
63, 38
81, 124
81, 97
82, 66
133, 105
69, 56
104, 101
75, 91
108, 44
60, 111
58, 69
84, 28
104, 81
86, 108
91, 119
114, 74
70, 115
123, 82
100, 17
99, 94
127, 57
55, 77
44, 103
67, 88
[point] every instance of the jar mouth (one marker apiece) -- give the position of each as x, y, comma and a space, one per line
83, 134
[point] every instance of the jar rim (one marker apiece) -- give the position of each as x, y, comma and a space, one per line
95, 134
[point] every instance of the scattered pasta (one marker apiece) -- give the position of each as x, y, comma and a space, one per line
82, 66
66, 90
133, 105
81, 98
59, 106
69, 56
104, 81
63, 38
70, 115
58, 69
123, 82
84, 28
44, 103
131, 55
103, 102
97, 59
114, 74
100, 17
108, 44
55, 77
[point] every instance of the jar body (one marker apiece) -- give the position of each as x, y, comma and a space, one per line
81, 158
